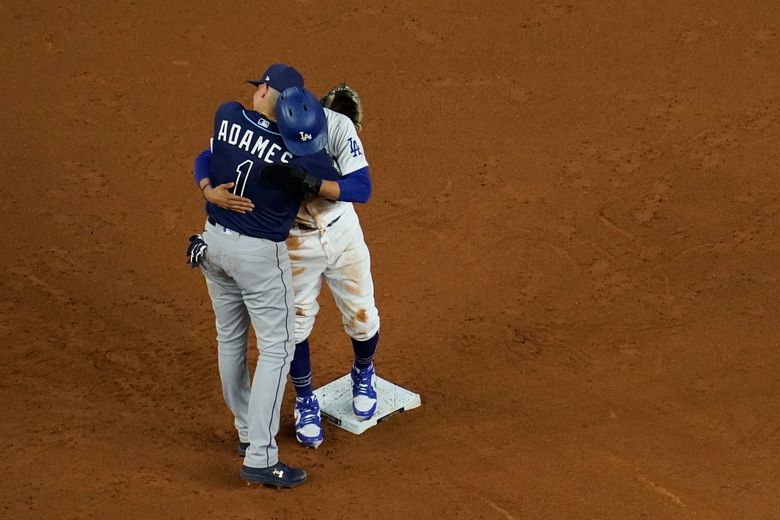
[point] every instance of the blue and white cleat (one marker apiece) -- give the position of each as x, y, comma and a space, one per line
308, 424
364, 392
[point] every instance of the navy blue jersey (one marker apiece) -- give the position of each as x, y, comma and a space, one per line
243, 143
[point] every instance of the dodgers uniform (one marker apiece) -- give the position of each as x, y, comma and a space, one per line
327, 242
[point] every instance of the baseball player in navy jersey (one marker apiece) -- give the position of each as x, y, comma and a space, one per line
246, 263
326, 242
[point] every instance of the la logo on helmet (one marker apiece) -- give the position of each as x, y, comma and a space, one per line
305, 136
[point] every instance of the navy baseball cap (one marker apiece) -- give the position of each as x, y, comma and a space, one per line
280, 77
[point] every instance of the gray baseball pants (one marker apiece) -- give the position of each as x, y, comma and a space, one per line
251, 279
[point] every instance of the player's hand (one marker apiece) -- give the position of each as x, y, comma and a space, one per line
293, 178
222, 197
196, 250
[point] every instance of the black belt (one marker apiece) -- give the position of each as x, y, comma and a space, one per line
296, 225
227, 229
215, 223
305, 227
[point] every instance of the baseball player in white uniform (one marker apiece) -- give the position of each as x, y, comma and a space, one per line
326, 242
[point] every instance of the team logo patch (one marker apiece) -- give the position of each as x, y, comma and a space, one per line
305, 136
354, 147
263, 122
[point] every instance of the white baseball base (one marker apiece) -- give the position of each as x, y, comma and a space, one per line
336, 403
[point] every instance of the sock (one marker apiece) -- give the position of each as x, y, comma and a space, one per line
300, 370
364, 351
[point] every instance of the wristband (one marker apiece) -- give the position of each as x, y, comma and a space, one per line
312, 183
203, 191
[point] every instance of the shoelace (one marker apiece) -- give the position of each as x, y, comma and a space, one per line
364, 384
308, 413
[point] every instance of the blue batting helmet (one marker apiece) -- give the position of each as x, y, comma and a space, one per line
301, 121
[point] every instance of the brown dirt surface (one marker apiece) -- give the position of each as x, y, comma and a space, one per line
574, 234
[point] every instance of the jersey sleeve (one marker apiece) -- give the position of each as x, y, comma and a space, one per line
344, 145
202, 166
355, 187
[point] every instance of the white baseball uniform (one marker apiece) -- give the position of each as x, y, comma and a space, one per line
327, 242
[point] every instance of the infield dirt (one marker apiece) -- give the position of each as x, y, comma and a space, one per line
574, 236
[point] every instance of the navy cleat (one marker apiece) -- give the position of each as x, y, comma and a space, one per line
242, 447
279, 475
308, 424
364, 392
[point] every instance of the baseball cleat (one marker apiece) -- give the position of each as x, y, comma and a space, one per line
279, 475
363, 392
242, 447
308, 425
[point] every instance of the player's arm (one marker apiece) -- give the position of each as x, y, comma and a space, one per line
355, 187
219, 196
347, 150
330, 190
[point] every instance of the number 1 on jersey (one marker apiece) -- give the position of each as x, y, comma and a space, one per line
246, 165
